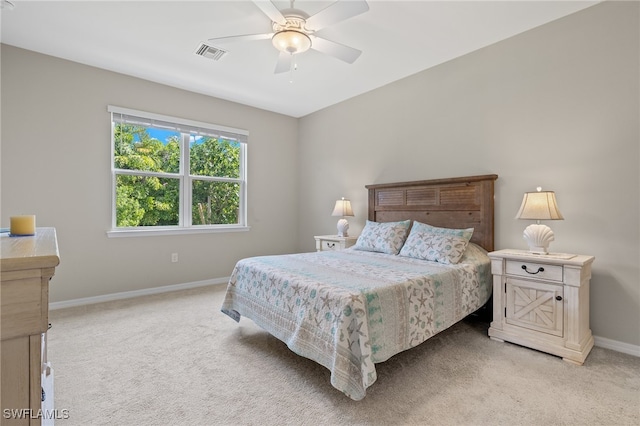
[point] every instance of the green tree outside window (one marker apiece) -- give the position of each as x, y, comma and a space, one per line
148, 177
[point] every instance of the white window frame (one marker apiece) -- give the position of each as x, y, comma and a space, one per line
186, 127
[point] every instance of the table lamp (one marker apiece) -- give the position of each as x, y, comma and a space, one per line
343, 209
540, 205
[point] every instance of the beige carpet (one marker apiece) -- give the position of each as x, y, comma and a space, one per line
174, 359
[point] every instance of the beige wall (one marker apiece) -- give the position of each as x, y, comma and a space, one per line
56, 164
556, 107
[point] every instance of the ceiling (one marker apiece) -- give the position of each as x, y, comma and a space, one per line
157, 40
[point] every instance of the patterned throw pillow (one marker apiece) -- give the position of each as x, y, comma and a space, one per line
443, 245
383, 237
464, 233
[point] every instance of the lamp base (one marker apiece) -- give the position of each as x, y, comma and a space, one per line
343, 227
538, 237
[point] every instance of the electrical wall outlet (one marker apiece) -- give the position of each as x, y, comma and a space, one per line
174, 257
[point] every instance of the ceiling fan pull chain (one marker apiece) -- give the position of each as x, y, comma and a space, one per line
291, 66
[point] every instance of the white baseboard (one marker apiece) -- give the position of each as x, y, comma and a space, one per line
615, 345
134, 293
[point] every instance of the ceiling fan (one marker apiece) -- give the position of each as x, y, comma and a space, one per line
294, 31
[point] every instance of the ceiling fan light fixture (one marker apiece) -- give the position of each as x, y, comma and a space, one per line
291, 41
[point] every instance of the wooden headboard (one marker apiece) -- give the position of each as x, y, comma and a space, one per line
461, 202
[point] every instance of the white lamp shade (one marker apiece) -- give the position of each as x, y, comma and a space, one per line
342, 208
539, 205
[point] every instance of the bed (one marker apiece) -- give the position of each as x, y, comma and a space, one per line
419, 266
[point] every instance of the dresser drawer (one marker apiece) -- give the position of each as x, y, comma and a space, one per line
23, 306
540, 271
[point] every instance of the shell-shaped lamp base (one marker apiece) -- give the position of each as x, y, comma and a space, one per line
343, 227
538, 237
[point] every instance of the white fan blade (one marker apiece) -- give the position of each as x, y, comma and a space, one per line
284, 62
340, 51
336, 12
271, 11
246, 37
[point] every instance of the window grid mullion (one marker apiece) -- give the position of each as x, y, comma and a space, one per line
242, 219
185, 190
215, 179
113, 178
146, 173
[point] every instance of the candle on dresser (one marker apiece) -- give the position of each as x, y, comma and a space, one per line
23, 225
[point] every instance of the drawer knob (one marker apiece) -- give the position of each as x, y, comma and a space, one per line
558, 298
540, 269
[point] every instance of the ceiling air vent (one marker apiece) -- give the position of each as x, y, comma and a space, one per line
210, 52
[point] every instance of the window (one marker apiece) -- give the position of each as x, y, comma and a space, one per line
171, 175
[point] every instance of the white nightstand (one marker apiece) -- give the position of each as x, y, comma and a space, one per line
542, 302
333, 242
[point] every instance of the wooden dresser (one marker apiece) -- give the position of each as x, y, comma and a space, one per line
26, 266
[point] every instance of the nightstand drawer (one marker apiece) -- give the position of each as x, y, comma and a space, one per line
540, 271
333, 242
329, 245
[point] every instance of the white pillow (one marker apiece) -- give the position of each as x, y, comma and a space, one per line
383, 237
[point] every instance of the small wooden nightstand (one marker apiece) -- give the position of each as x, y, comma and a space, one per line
333, 242
542, 302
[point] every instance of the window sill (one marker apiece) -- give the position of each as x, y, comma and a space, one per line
137, 232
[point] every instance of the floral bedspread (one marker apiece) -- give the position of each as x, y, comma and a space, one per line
350, 309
